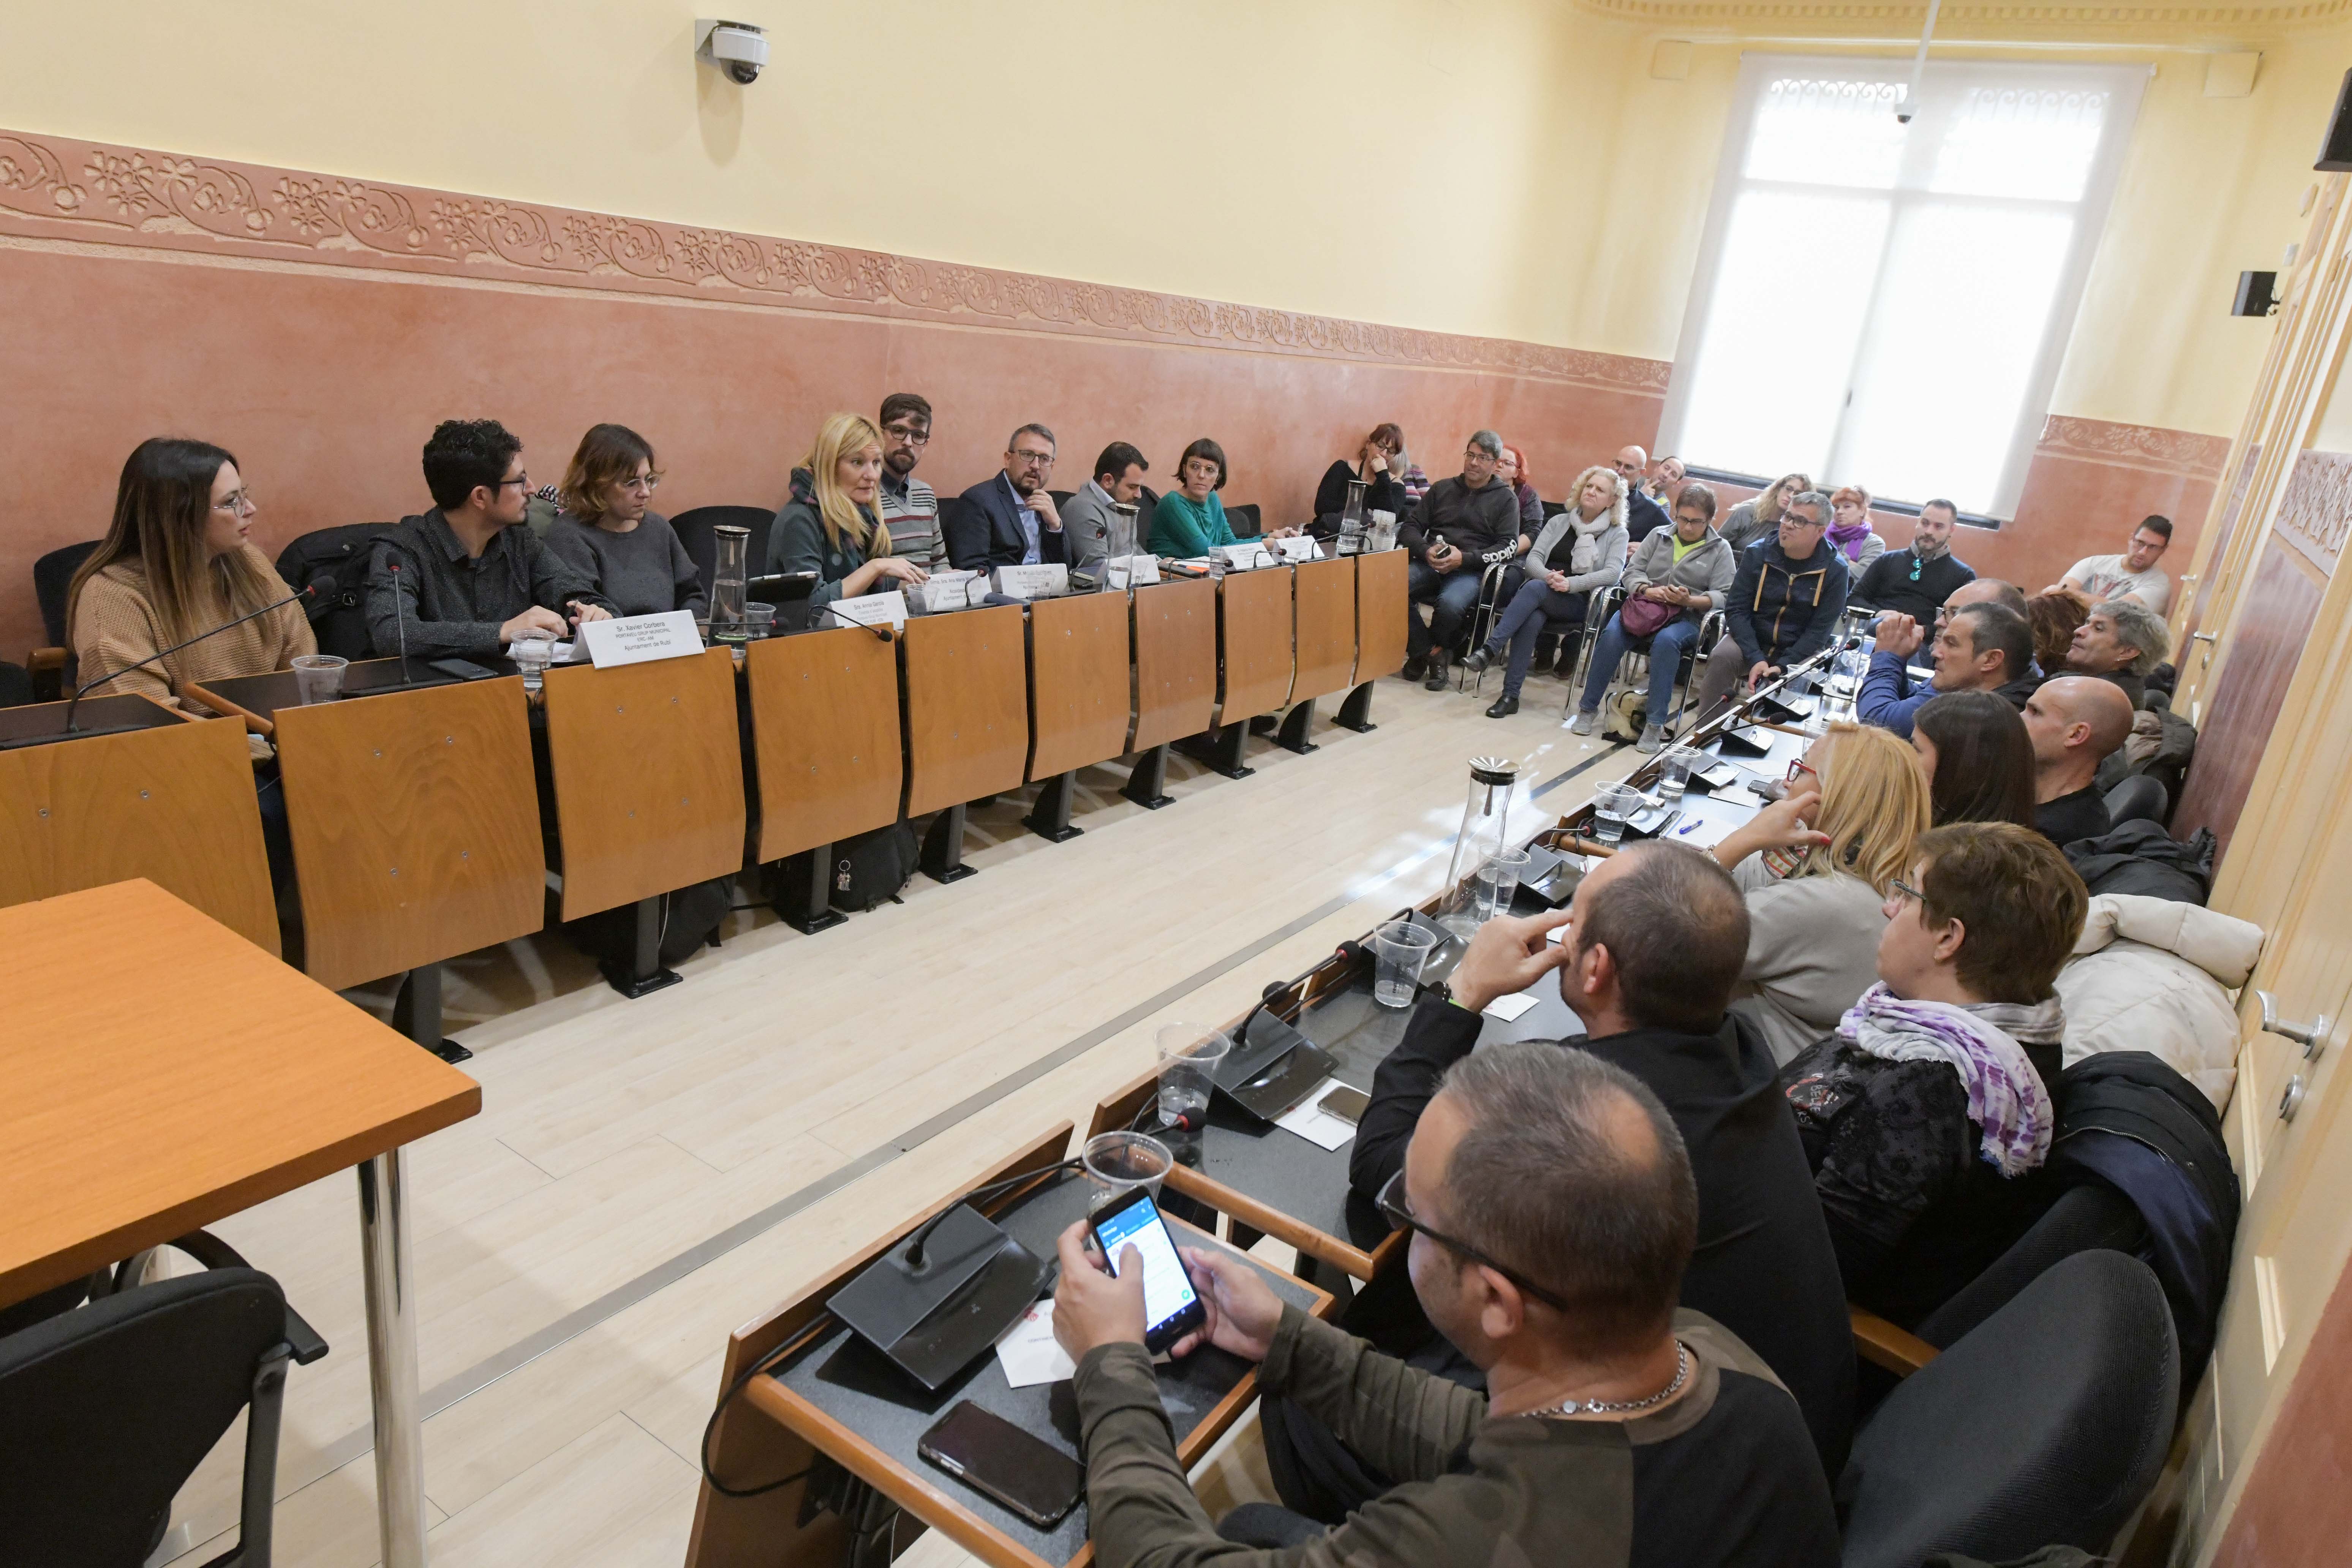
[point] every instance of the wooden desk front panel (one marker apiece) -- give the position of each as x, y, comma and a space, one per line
967, 706
1327, 627
1253, 641
174, 805
1079, 677
825, 733
1175, 661
648, 777
162, 1074
416, 828
1379, 614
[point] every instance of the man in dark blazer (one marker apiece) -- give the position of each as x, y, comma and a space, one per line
1011, 520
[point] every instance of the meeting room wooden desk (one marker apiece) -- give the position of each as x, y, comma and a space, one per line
1175, 627
159, 797
967, 705
1380, 610
1325, 610
163, 1073
822, 710
824, 1398
1254, 662
1080, 651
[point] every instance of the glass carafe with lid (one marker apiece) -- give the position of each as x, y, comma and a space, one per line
1351, 520
727, 622
1485, 833
1119, 534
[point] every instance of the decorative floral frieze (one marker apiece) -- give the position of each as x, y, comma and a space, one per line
2183, 452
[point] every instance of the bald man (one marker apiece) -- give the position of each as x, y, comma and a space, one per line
2074, 722
1643, 515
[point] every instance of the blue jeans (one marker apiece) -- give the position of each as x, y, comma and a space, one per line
1455, 594
1666, 658
1532, 609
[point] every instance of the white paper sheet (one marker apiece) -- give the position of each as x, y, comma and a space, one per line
1317, 1125
1509, 1007
1029, 1352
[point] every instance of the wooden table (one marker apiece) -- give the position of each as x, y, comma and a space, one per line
967, 702
1175, 678
823, 711
171, 802
37, 722
795, 1413
1325, 606
1080, 672
1380, 583
163, 1073
1254, 662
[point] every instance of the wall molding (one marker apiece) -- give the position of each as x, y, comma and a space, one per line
2314, 514
137, 198
2151, 448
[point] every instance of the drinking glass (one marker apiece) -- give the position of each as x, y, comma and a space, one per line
1498, 880
763, 618
1612, 808
1399, 948
531, 655
319, 677
1117, 1162
1189, 1056
1674, 772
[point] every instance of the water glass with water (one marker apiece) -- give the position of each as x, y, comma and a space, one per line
1189, 1056
319, 677
760, 617
1498, 881
1674, 772
1612, 808
532, 654
1399, 948
1117, 1162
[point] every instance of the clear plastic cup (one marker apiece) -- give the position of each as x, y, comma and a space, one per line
319, 676
531, 655
1613, 806
763, 618
1498, 880
1674, 772
1399, 948
1117, 1162
1189, 1056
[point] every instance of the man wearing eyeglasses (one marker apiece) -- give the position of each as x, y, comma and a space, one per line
1917, 579
469, 580
910, 507
1461, 527
1552, 1213
1022, 525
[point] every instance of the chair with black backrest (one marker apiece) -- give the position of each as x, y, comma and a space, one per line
2138, 797
963, 532
1244, 520
2046, 1425
2087, 1217
693, 529
111, 1407
333, 562
51, 665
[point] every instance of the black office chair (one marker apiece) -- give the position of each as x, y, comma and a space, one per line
2138, 797
963, 533
693, 529
109, 1408
16, 685
1244, 520
2044, 1426
1060, 498
52, 663
2087, 1217
1552, 509
333, 564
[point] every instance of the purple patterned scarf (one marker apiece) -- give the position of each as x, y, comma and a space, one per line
1848, 537
2006, 1096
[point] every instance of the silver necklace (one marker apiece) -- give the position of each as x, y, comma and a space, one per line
1615, 1406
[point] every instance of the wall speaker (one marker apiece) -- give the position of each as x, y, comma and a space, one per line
2257, 294
2336, 152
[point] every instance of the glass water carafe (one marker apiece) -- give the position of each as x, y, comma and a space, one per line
1351, 520
1485, 835
1119, 534
728, 621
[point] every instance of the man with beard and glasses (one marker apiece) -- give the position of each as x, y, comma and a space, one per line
910, 507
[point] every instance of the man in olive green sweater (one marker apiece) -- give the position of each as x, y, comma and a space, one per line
1553, 1212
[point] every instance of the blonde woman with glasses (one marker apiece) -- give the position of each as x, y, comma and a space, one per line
1817, 868
833, 525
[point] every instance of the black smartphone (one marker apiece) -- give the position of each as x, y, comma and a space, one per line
999, 1460
462, 669
1346, 1104
1171, 1309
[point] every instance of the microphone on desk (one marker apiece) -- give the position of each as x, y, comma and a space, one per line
913, 1256
400, 620
89, 686
881, 634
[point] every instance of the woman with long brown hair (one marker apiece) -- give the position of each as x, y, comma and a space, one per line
610, 533
176, 561
1377, 464
1976, 758
833, 525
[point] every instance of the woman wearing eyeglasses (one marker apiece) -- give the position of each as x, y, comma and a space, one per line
609, 531
176, 561
1377, 465
1759, 515
1816, 867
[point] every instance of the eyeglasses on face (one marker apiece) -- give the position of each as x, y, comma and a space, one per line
1479, 455
1032, 459
1904, 889
236, 503
646, 482
906, 435
1800, 766
522, 479
1392, 1207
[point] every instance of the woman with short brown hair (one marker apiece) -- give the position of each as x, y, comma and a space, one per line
609, 530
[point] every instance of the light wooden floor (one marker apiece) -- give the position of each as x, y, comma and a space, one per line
570, 1331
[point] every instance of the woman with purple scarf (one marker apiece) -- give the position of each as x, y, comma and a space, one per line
1928, 1114
1849, 529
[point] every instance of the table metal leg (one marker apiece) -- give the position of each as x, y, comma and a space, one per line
391, 1286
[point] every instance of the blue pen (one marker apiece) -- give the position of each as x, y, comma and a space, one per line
1686, 826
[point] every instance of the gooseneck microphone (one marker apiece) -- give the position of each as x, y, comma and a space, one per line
89, 686
400, 619
881, 633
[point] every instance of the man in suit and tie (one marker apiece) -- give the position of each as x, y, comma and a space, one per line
1011, 520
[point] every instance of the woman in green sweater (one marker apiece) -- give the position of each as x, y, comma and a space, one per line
1190, 521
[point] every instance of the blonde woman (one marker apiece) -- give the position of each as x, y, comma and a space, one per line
1581, 549
1758, 516
833, 525
1818, 868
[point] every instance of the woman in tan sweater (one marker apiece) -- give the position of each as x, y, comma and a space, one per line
174, 562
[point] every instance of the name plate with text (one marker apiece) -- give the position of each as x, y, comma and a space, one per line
951, 590
641, 639
1130, 571
867, 610
1244, 557
1048, 582
1294, 547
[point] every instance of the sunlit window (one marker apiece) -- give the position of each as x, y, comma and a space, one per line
1885, 303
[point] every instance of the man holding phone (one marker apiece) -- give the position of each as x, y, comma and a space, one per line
1461, 526
1553, 1211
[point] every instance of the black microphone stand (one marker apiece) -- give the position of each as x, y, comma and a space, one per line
89, 686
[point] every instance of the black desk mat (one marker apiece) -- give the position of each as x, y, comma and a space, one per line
853, 1384
263, 695
96, 713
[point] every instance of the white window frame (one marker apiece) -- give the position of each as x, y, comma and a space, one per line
1944, 83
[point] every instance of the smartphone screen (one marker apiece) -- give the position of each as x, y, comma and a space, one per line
1170, 1305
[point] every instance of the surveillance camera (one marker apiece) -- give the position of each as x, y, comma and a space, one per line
739, 48
1902, 117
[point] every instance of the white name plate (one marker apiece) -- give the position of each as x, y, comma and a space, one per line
1243, 557
1295, 547
1047, 582
1130, 571
867, 610
641, 639
948, 591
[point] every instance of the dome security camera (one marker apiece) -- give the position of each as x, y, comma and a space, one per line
738, 49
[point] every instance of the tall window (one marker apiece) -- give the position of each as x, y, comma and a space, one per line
1885, 304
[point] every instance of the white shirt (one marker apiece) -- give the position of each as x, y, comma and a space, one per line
2104, 577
